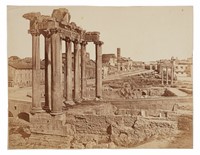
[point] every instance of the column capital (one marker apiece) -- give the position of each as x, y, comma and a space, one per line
84, 43
55, 30
46, 33
76, 41
67, 39
98, 43
34, 32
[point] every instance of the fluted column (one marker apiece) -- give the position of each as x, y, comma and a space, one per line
98, 78
162, 75
56, 69
36, 91
68, 71
167, 76
83, 70
76, 71
47, 105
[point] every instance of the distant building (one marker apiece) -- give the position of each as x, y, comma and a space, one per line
20, 74
90, 69
90, 65
124, 64
183, 68
109, 59
112, 63
152, 65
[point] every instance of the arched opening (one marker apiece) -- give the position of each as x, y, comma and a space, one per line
24, 116
10, 114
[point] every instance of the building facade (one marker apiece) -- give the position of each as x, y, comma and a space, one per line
20, 74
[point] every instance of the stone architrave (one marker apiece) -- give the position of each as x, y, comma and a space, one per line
98, 78
56, 69
36, 93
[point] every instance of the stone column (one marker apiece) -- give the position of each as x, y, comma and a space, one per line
56, 69
167, 76
47, 56
68, 71
76, 71
172, 75
83, 70
98, 78
36, 90
161, 69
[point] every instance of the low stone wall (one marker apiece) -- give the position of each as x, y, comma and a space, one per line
93, 131
18, 106
107, 124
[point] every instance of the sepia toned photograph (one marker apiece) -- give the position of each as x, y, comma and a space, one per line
86, 77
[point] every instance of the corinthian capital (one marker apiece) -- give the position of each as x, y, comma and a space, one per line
98, 43
83, 43
34, 32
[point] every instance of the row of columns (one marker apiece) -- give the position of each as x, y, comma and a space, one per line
53, 72
167, 75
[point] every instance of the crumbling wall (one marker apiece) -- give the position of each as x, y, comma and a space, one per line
95, 131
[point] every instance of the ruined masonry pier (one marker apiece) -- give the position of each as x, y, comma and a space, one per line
55, 29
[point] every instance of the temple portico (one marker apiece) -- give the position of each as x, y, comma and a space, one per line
55, 29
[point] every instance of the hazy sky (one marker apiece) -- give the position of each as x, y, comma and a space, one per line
142, 33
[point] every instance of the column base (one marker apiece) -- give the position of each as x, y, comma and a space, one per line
56, 113
84, 99
98, 99
36, 110
46, 108
78, 101
69, 102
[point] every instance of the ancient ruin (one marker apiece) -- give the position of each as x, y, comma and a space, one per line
127, 104
55, 28
166, 67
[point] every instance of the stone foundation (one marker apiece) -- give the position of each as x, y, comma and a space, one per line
102, 131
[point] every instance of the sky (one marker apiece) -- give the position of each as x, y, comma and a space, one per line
143, 33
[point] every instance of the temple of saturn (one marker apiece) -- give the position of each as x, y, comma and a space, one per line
55, 29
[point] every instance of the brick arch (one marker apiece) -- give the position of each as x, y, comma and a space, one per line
25, 116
